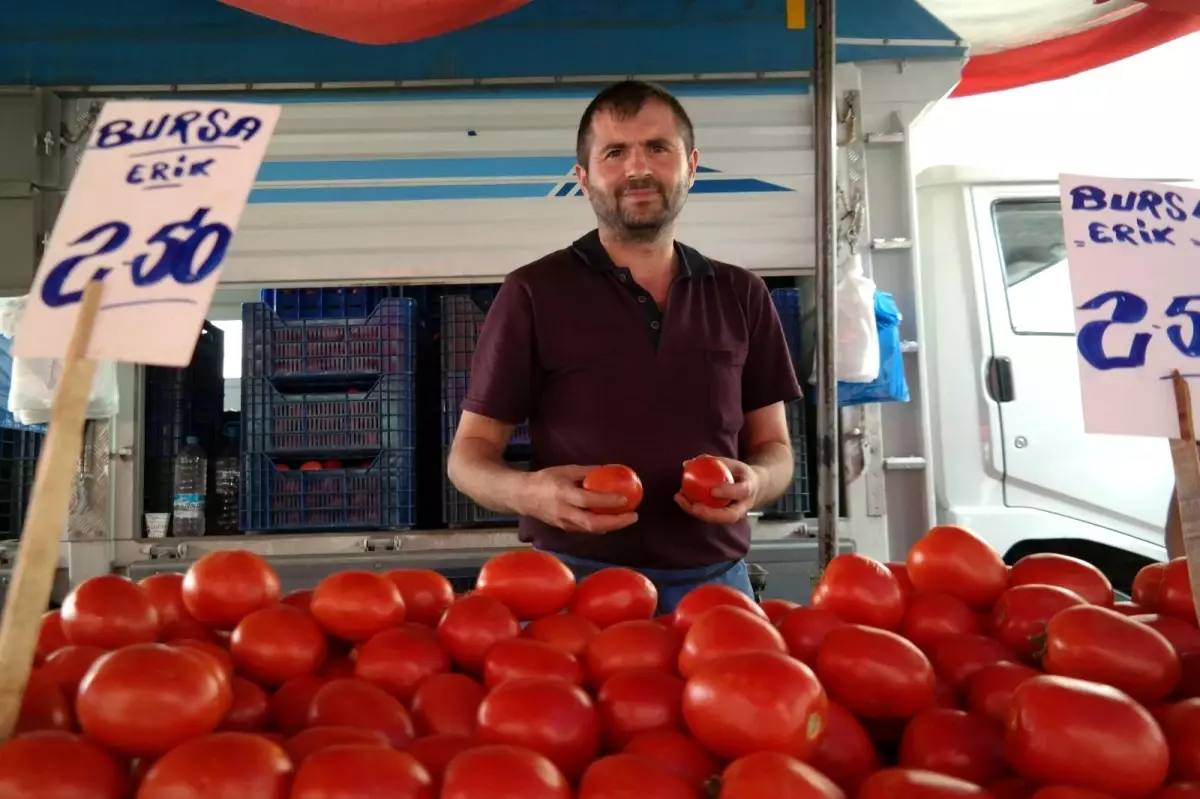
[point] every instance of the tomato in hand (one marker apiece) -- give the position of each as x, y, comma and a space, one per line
355, 605
545, 714
503, 771
399, 660
565, 632
860, 590
700, 476
615, 479
990, 689
250, 708
631, 646
470, 627
1020, 616
847, 755
726, 630
636, 701
894, 783
354, 703
109, 611
958, 657
875, 673
529, 582
763, 774
426, 594
703, 598
221, 764
275, 644
1073, 574
678, 753
626, 775
955, 743
805, 629
446, 704
613, 595
930, 618
952, 560
222, 588
59, 764
1146, 585
361, 770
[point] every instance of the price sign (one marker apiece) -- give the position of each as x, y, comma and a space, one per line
151, 213
1133, 250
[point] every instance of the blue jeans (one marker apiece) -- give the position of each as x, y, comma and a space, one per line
674, 584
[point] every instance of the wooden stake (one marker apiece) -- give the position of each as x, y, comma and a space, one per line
1186, 459
46, 518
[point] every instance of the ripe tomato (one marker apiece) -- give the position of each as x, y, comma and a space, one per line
907, 783
435, 752
222, 588
754, 701
725, 630
613, 595
312, 740
398, 660
1073, 574
1179, 790
957, 657
250, 708
1174, 595
805, 629
705, 597
354, 703
700, 476
1020, 616
875, 673
901, 571
362, 770
952, 560
1098, 644
550, 716
470, 627
59, 764
275, 644
213, 656
931, 618
354, 605
109, 611
847, 755
165, 592
635, 701
631, 646
291, 701
775, 774
1012, 788
44, 706
1146, 585
503, 771
1181, 724
1056, 725
566, 632
50, 636
990, 689
426, 594
146, 698
956, 743
860, 590
447, 704
67, 666
625, 775
300, 599
678, 753
529, 582
615, 479
221, 764
516, 658
1069, 792
776, 609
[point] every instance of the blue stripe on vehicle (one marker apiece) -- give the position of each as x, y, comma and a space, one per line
532, 166
735, 186
368, 194
566, 191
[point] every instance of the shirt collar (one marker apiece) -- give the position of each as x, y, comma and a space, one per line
589, 250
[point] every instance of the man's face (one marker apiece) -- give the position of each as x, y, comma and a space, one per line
638, 172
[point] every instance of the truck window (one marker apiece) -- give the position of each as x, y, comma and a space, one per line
1037, 283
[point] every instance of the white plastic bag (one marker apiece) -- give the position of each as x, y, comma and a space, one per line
856, 357
35, 380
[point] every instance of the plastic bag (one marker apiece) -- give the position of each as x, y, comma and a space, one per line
890, 385
34, 381
856, 351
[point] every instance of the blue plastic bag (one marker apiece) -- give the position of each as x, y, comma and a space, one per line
891, 385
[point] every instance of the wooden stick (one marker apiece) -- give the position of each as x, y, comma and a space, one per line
1186, 459
46, 518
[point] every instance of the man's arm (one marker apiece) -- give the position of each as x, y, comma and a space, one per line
476, 464
769, 453
1174, 532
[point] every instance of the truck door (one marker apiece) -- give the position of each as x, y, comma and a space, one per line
1070, 482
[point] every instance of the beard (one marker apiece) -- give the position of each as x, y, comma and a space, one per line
640, 219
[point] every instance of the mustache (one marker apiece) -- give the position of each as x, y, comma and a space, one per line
638, 184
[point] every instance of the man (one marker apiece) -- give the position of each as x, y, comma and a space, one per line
629, 347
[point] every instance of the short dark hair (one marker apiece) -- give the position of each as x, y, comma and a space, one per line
625, 99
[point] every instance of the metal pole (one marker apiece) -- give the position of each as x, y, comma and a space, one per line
825, 109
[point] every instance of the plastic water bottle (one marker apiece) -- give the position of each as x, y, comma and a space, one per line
225, 492
191, 487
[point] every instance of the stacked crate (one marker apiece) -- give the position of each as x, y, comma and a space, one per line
328, 417
796, 502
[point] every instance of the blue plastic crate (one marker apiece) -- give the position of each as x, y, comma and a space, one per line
379, 495
796, 502
349, 302
377, 416
380, 343
19, 451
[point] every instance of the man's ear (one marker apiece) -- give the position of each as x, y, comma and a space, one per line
693, 165
581, 176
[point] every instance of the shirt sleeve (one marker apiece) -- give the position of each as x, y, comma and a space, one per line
504, 364
769, 375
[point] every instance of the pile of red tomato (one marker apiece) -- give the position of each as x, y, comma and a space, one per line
950, 675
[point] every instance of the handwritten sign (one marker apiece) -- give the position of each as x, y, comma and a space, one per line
151, 212
1133, 251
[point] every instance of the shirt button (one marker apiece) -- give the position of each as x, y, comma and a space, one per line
622, 278
641, 298
654, 325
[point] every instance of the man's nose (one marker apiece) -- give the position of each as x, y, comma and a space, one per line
636, 165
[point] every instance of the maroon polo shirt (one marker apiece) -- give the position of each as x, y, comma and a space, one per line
573, 344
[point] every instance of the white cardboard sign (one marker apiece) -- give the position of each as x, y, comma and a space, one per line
1133, 251
151, 213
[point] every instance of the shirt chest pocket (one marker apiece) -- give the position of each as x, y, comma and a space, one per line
722, 370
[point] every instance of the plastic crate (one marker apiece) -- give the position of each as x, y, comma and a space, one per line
459, 511
19, 450
796, 502
377, 497
349, 302
379, 343
454, 391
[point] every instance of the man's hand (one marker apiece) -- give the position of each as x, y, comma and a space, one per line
555, 496
743, 496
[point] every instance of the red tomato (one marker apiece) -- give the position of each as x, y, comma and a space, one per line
362, 770
503, 771
635, 701
300, 600
1146, 585
517, 658
337, 668
726, 630
1073, 574
1174, 595
1057, 725
59, 764
447, 704
952, 560
1181, 724
765, 774
615, 479
213, 655
990, 689
44, 706
67, 666
1098, 644
307, 742
470, 627
957, 657
1179, 790
165, 592
222, 588
955, 743
700, 476
627, 775
146, 698
221, 764
1128, 608
398, 660
275, 644
875, 673
930, 618
1020, 616
1068, 792
631, 646
250, 708
706, 597
566, 632
550, 716
613, 595
435, 752
906, 783
847, 755
776, 609
754, 701
426, 594
354, 605
50, 636
1183, 637
291, 701
901, 571
529, 582
678, 753
109, 611
860, 590
354, 703
805, 629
